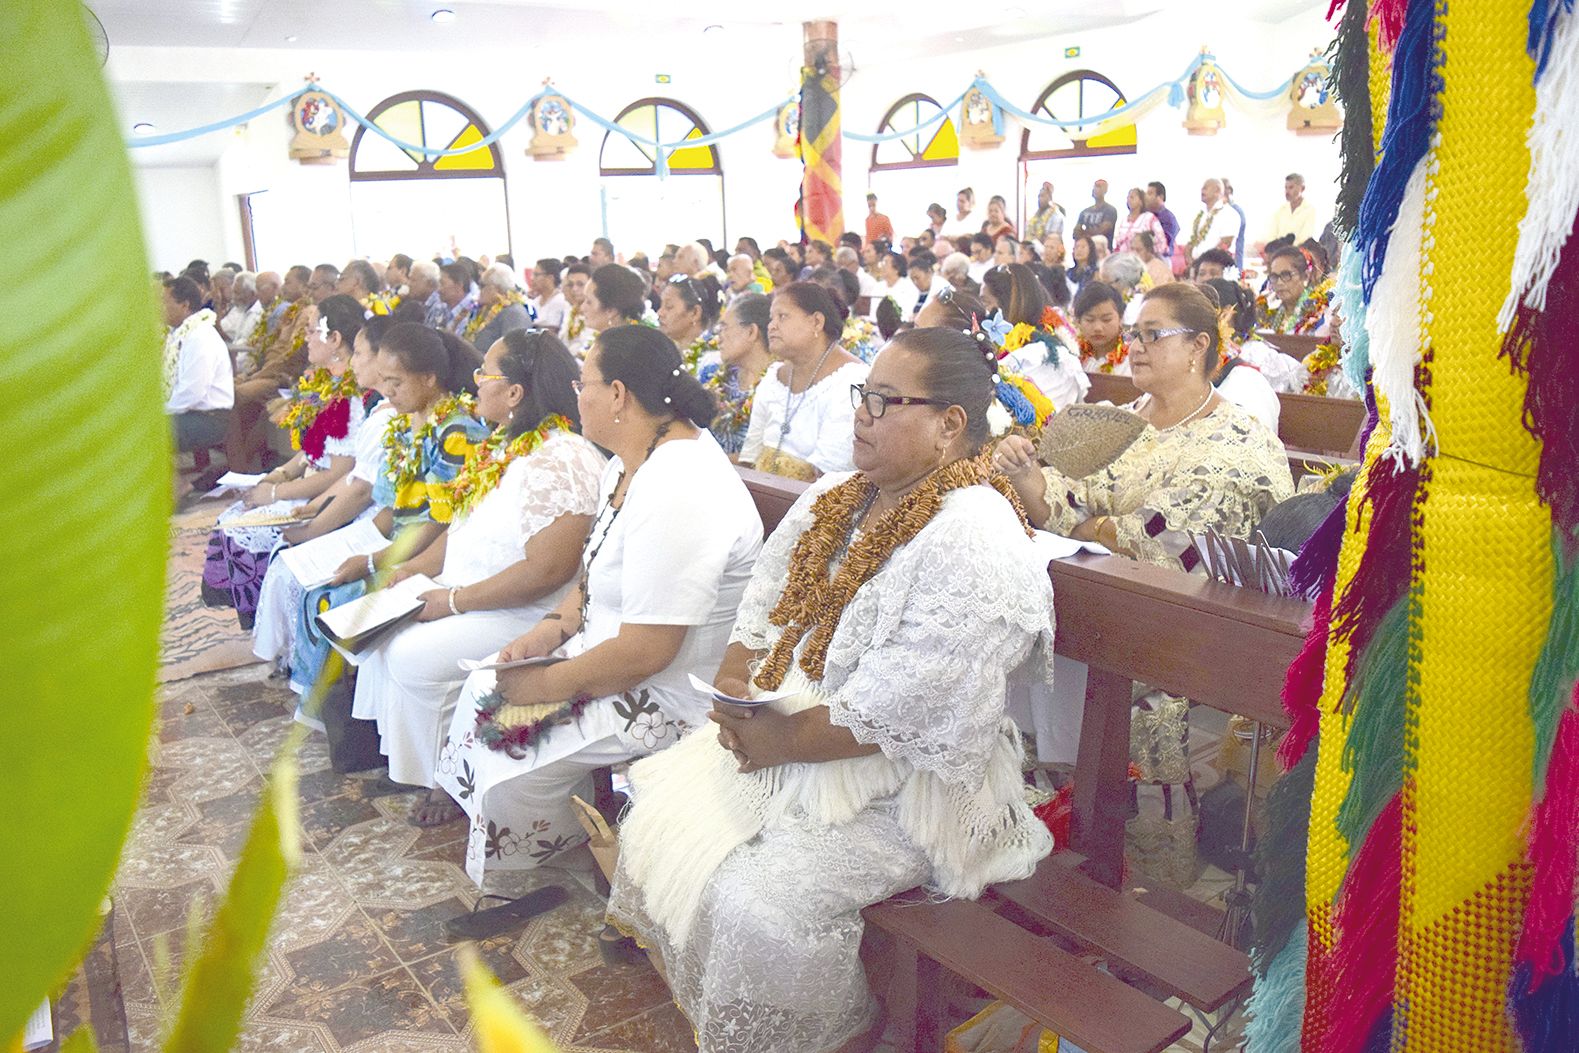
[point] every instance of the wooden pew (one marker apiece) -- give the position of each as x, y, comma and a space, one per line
1316, 431
1295, 347
1017, 942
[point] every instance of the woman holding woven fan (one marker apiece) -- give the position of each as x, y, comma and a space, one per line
667, 558
522, 503
1199, 461
893, 603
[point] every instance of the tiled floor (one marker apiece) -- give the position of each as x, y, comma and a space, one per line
358, 958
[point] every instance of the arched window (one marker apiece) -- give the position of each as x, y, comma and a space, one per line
1085, 96
664, 121
406, 201
935, 146
429, 119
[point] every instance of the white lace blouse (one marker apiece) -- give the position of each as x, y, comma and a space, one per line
559, 478
918, 666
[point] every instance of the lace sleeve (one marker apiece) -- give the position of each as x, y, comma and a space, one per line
1066, 499
772, 569
951, 620
560, 478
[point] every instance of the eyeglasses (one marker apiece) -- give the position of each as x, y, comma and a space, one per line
1147, 337
479, 377
1284, 276
876, 403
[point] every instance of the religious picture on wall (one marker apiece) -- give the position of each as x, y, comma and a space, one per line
976, 120
786, 129
319, 139
552, 123
1205, 115
1312, 108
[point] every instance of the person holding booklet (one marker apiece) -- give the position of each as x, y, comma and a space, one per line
324, 417
893, 602
430, 379
522, 506
665, 563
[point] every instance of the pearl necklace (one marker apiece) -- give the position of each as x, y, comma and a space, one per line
1210, 391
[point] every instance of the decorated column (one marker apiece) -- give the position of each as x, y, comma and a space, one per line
821, 189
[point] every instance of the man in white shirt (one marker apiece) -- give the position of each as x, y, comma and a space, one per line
245, 309
897, 284
1216, 226
1295, 217
199, 387
929, 284
546, 299
981, 250
847, 259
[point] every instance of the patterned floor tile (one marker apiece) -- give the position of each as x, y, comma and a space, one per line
662, 1029
392, 1001
353, 953
616, 993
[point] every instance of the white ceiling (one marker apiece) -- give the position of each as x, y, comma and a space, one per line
576, 31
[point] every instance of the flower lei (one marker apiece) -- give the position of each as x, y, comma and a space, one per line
860, 338
1307, 316
1018, 400
486, 465
692, 356
1111, 361
319, 410
172, 345
812, 601
733, 415
479, 321
576, 323
260, 330
527, 723
381, 303
1320, 363
403, 456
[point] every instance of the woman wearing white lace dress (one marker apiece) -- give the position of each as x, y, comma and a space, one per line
800, 415
523, 504
1201, 461
894, 602
666, 561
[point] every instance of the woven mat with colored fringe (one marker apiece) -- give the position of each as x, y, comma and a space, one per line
195, 638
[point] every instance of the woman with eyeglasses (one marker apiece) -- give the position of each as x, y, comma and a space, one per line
889, 606
523, 503
687, 312
324, 416
1291, 304
1200, 462
801, 419
670, 550
744, 359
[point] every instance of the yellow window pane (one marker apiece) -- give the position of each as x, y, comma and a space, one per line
1123, 135
479, 160
944, 145
692, 157
404, 121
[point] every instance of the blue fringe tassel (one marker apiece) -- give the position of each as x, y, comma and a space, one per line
1350, 292
1412, 113
1017, 404
1380, 1040
1277, 1007
1544, 15
1548, 1017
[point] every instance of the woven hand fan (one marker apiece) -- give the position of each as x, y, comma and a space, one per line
1084, 439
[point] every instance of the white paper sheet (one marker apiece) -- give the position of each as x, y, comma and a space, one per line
471, 665
40, 1030
380, 608
720, 696
316, 561
234, 481
1051, 546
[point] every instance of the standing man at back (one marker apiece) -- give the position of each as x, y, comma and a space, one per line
1216, 226
877, 224
1100, 217
1157, 204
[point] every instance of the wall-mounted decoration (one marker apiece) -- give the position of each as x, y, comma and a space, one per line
553, 121
319, 125
1205, 93
1312, 108
976, 113
786, 129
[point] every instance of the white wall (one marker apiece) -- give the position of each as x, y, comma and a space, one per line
181, 216
304, 212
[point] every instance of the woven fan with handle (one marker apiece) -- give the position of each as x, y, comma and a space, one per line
1084, 439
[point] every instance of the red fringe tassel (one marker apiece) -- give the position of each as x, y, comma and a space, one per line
1364, 963
1553, 854
1302, 686
1389, 15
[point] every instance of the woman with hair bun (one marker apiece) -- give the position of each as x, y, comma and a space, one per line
890, 605
801, 420
523, 504
669, 553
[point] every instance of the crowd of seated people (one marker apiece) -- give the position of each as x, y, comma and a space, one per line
560, 461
